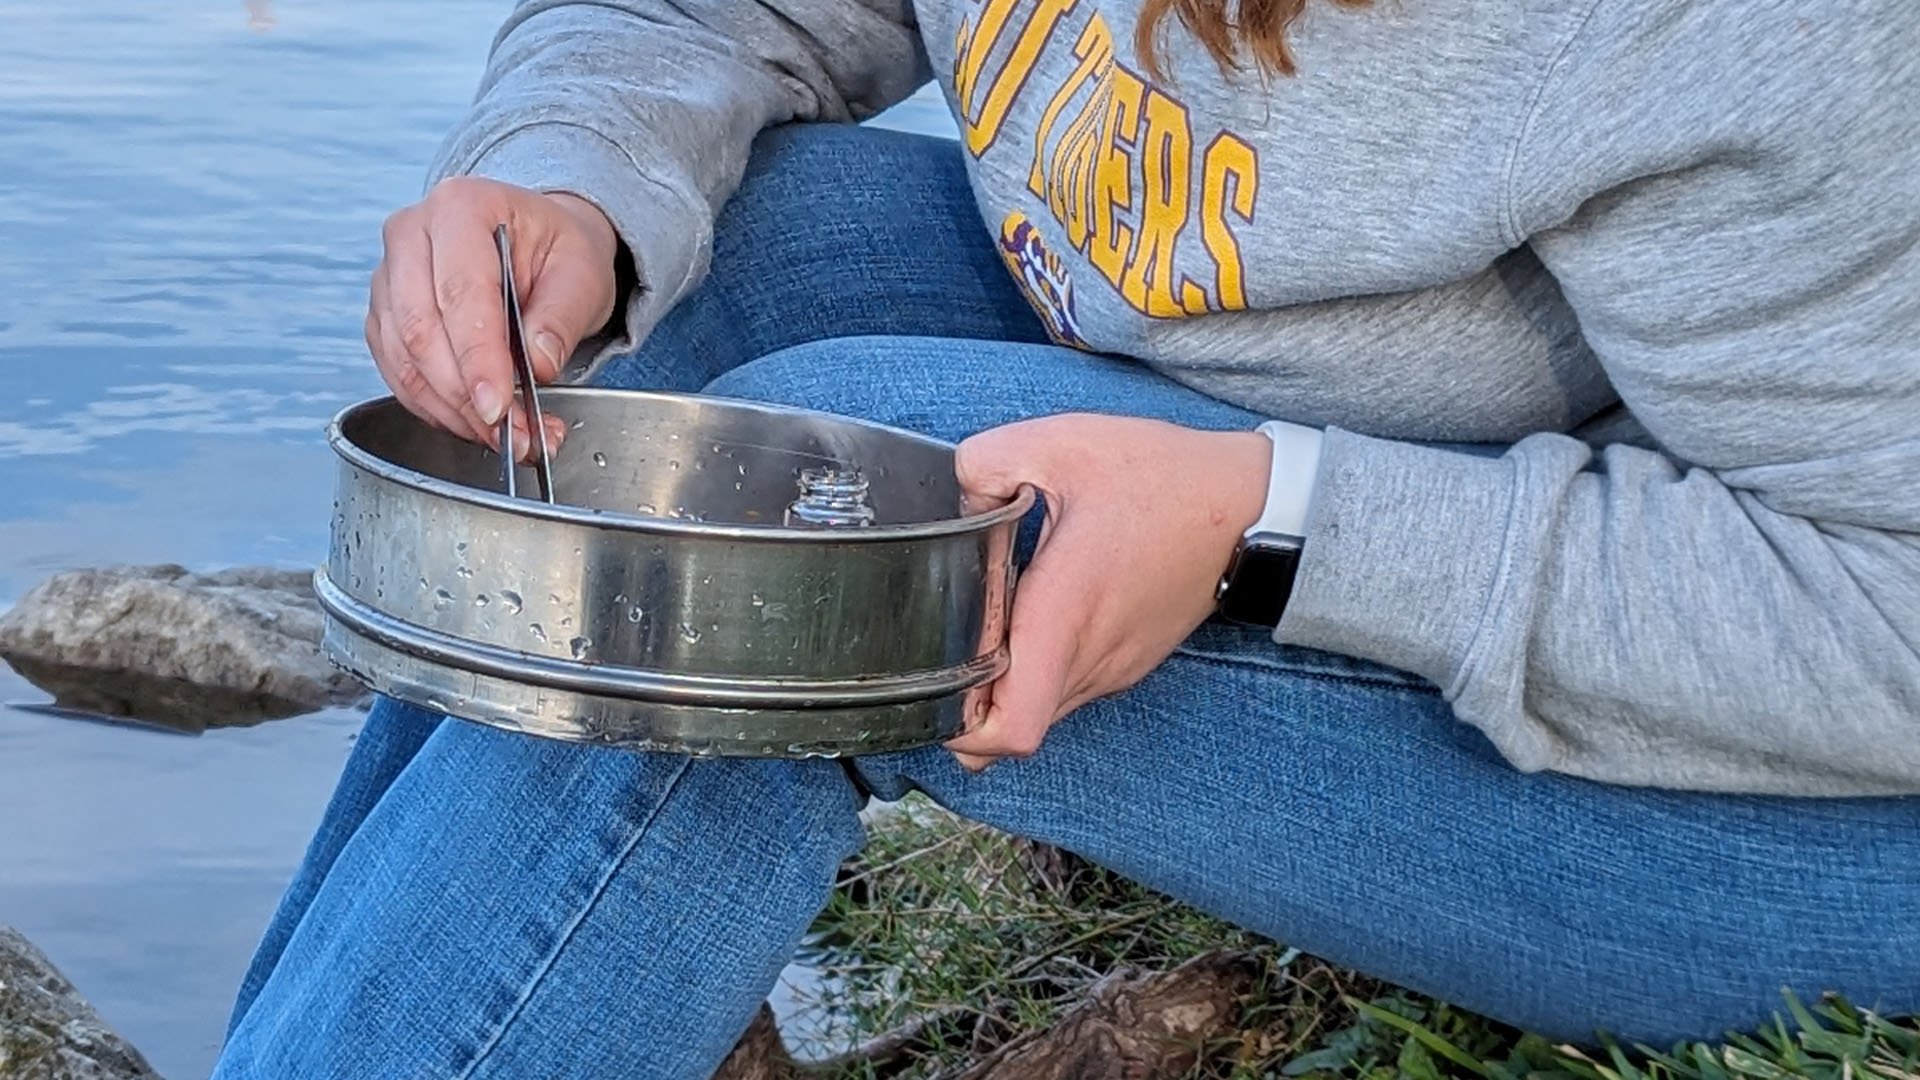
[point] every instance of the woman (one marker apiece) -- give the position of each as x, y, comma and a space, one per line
1536, 727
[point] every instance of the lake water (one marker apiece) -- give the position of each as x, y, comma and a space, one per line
190, 201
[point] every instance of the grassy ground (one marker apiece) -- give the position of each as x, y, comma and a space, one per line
949, 920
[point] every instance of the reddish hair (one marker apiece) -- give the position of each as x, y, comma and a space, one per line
1224, 27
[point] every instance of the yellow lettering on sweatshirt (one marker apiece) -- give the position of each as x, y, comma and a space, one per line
1112, 195
1232, 180
977, 39
1094, 51
1073, 170
1166, 173
983, 125
1113, 156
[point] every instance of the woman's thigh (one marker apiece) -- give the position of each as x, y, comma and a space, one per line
836, 231
1338, 805
1342, 809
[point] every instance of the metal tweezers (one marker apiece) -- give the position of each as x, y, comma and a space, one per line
523, 377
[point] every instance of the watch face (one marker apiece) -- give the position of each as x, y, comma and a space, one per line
1260, 580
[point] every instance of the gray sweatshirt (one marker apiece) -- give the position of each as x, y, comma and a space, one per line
1669, 249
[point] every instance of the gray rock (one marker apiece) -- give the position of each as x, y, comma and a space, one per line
48, 1031
184, 649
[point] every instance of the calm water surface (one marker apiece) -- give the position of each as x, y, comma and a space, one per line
190, 199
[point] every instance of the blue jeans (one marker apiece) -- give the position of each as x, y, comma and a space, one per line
484, 904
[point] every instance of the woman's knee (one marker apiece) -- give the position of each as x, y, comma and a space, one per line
951, 387
789, 266
792, 164
783, 252
947, 388
879, 379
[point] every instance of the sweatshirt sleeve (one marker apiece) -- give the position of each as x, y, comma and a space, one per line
649, 108
1729, 196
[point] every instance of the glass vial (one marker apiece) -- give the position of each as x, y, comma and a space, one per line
832, 496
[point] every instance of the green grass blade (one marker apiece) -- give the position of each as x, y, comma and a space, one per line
1427, 1038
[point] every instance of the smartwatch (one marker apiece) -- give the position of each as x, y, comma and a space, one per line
1259, 578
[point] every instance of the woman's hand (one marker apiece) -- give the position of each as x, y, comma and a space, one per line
1142, 518
434, 317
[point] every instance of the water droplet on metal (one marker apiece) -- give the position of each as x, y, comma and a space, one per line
600, 459
690, 632
566, 621
464, 571
425, 584
743, 469
441, 598
648, 509
460, 548
634, 614
553, 598
757, 600
512, 601
620, 598
579, 646
674, 464
578, 424
538, 634
482, 600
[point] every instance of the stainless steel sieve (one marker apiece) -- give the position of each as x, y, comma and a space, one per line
662, 602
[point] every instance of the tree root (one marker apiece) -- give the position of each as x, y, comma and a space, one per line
759, 1055
1133, 1025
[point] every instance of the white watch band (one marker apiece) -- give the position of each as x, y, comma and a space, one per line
1290, 483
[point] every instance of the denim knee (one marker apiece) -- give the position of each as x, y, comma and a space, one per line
860, 377
790, 266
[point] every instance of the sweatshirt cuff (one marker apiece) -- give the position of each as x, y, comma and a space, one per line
667, 237
1404, 547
